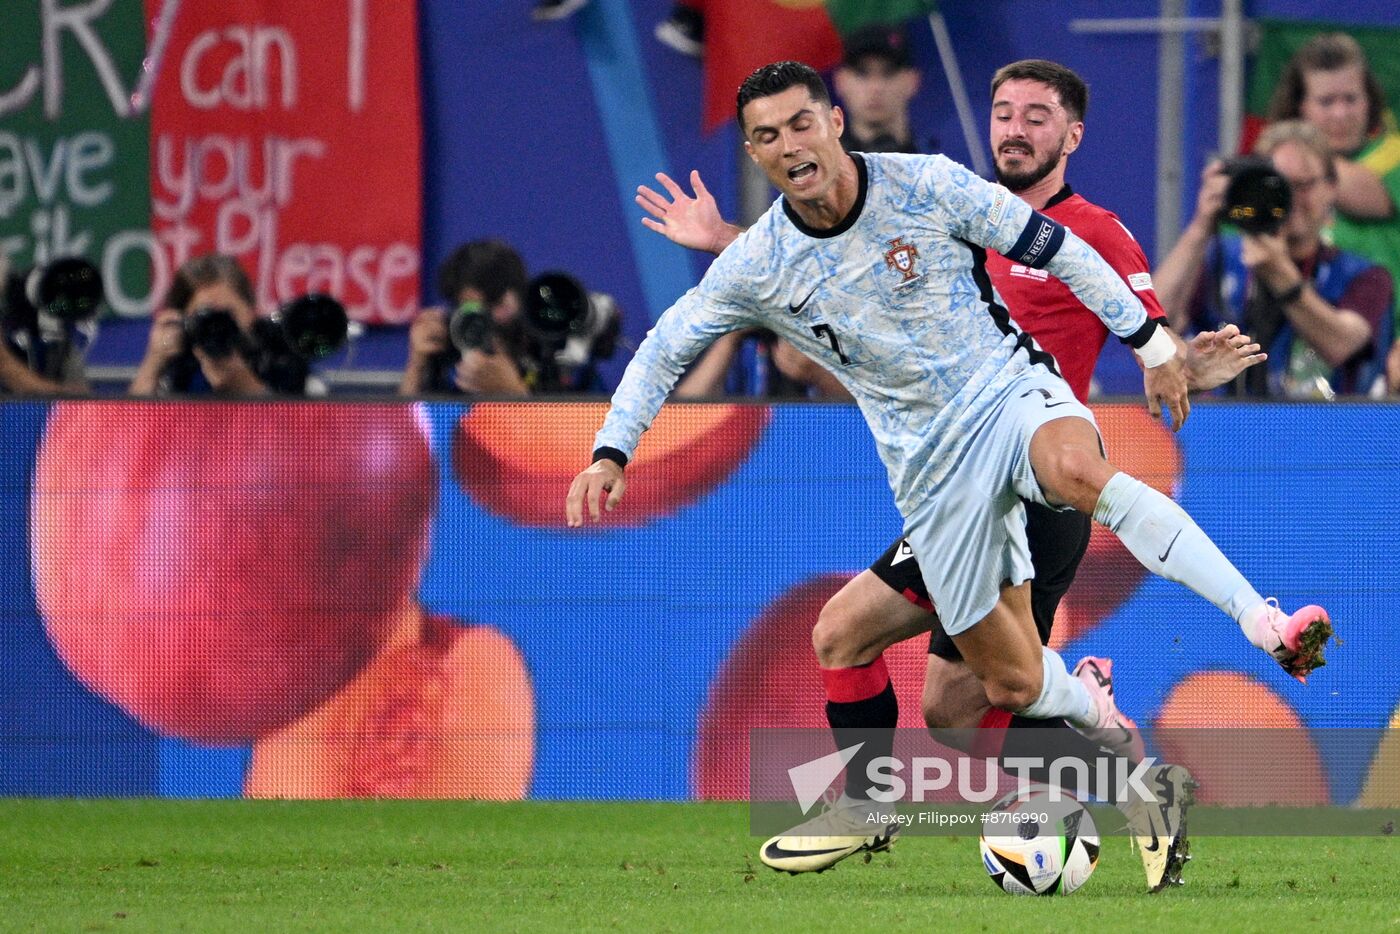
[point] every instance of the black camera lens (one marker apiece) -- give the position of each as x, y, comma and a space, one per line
1257, 197
70, 289
555, 304
316, 325
213, 330
470, 328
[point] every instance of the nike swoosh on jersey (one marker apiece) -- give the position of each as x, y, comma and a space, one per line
796, 309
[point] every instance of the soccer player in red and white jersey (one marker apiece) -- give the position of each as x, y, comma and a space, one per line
1037, 121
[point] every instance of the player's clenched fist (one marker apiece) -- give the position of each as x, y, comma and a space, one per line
604, 476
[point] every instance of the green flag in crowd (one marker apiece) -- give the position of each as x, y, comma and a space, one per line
1279, 39
851, 15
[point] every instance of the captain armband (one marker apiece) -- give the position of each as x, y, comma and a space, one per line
1040, 240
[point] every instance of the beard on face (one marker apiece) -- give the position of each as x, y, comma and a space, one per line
1025, 178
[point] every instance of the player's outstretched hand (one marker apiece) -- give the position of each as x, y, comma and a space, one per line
691, 222
603, 476
1213, 358
1165, 386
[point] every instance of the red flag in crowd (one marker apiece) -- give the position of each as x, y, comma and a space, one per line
741, 35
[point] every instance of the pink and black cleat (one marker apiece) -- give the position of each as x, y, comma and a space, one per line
1116, 732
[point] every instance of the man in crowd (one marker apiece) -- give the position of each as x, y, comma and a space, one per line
221, 365
1329, 83
485, 277
876, 82
494, 350
1322, 314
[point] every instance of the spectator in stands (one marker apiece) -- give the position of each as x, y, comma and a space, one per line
499, 353
487, 273
192, 348
1322, 314
876, 82
1329, 83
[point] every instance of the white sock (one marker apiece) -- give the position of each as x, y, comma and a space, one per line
1170, 544
1261, 635
1061, 694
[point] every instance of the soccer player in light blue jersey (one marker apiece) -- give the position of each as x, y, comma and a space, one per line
875, 266
1037, 121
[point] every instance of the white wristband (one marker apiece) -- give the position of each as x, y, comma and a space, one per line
1158, 350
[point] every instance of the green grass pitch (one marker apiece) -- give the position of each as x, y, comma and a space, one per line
244, 866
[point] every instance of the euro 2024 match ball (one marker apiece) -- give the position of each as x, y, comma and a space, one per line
1039, 841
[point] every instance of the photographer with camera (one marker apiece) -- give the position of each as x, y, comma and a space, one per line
1322, 314
210, 299
508, 335
48, 318
207, 337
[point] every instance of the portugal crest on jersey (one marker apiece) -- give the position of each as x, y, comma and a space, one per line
900, 257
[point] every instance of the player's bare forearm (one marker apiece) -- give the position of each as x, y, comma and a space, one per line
1361, 193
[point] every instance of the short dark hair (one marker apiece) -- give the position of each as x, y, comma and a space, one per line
492, 267
889, 43
1330, 51
1073, 92
777, 78
201, 271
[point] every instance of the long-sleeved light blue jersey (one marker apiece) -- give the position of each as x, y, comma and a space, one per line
895, 301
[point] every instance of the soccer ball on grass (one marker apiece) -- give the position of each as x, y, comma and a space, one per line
1039, 841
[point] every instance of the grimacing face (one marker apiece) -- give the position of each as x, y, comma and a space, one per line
1335, 102
796, 141
1031, 132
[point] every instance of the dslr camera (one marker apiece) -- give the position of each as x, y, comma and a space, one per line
1257, 197
280, 350
49, 312
574, 326
566, 330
